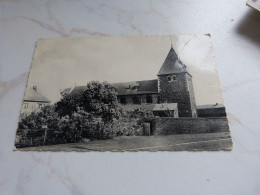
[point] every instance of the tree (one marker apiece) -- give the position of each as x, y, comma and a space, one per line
38, 119
100, 100
97, 100
35, 125
68, 104
87, 114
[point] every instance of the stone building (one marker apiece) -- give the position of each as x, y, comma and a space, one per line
172, 90
33, 100
174, 85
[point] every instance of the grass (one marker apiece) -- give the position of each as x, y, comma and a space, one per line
177, 142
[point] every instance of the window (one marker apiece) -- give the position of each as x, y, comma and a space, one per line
136, 100
171, 78
122, 100
149, 99
25, 105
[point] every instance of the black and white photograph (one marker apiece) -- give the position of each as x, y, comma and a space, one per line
133, 93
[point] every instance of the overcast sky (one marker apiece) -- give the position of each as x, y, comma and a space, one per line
62, 63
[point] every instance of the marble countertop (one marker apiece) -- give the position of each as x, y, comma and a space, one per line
235, 32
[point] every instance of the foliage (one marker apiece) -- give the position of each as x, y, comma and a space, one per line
142, 113
127, 127
87, 114
92, 113
97, 99
130, 122
67, 129
36, 120
31, 128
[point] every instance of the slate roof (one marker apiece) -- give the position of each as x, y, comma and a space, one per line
129, 88
137, 87
172, 64
32, 95
208, 106
78, 89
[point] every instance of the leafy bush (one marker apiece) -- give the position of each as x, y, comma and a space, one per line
97, 99
31, 128
130, 123
142, 113
127, 127
90, 114
46, 127
76, 116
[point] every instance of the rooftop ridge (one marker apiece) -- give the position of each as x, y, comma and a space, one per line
172, 64
35, 96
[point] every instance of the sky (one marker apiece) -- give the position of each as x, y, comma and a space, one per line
69, 62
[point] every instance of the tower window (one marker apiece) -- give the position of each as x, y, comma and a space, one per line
171, 78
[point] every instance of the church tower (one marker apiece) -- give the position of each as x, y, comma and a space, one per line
175, 85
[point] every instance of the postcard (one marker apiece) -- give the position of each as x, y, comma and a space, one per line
134, 93
254, 4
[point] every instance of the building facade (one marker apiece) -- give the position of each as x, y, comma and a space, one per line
33, 100
173, 87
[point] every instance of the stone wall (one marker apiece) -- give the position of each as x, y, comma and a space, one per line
168, 125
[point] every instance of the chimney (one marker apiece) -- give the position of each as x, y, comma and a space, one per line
35, 88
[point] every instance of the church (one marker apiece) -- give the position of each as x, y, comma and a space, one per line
172, 89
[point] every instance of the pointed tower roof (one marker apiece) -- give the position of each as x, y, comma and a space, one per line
172, 64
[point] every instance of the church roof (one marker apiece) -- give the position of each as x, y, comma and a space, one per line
32, 95
78, 89
137, 87
129, 88
172, 64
